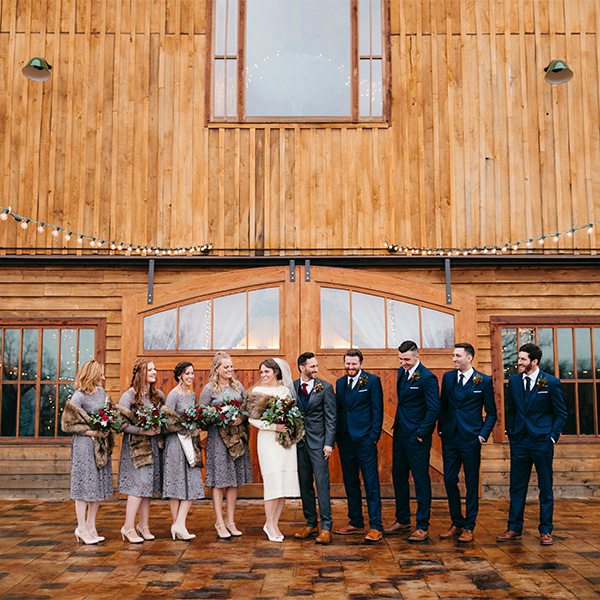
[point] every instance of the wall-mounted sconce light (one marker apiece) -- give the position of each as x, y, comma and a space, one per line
558, 71
37, 69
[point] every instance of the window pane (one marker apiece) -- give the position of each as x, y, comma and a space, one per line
219, 27
12, 342
229, 328
27, 411
376, 28
335, 318
219, 88
159, 330
67, 354
376, 88
232, 27
298, 58
263, 318
526, 336
546, 344
369, 27
231, 88
9, 410
438, 328
364, 88
47, 410
597, 351
584, 353
586, 408
564, 340
29, 354
49, 353
509, 352
65, 392
368, 321
568, 390
403, 323
87, 345
194, 326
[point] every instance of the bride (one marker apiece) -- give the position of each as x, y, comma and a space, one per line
278, 464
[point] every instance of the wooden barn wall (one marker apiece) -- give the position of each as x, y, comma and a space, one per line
51, 292
479, 149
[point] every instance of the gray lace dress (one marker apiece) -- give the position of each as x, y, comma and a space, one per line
146, 481
221, 470
88, 482
179, 479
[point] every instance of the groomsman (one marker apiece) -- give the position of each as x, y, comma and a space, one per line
359, 398
317, 403
417, 411
465, 392
535, 417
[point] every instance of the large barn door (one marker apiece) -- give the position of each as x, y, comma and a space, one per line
257, 313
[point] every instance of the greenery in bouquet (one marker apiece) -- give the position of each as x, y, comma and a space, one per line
149, 416
106, 419
228, 412
283, 411
198, 417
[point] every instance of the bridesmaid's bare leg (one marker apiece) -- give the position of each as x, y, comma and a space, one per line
174, 506
91, 516
217, 499
133, 505
145, 513
80, 511
184, 509
270, 512
231, 500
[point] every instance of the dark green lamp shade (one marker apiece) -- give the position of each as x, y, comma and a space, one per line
37, 69
558, 71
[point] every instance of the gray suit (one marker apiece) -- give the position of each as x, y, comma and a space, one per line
320, 413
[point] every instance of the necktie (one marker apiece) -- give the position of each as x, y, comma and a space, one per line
350, 382
527, 385
461, 380
304, 389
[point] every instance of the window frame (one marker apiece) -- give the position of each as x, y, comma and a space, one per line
497, 324
353, 119
21, 323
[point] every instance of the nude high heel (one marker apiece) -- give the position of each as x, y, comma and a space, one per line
131, 535
233, 530
85, 537
181, 533
272, 538
145, 532
94, 533
222, 531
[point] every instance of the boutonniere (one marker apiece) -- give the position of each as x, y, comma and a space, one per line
362, 381
477, 379
541, 382
415, 376
318, 387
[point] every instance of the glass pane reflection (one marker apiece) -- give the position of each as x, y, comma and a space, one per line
335, 318
159, 330
568, 390
27, 411
194, 326
12, 342
564, 340
47, 418
49, 353
583, 347
263, 318
403, 323
67, 354
65, 392
509, 352
29, 354
229, 328
9, 410
586, 408
368, 321
546, 344
87, 345
438, 328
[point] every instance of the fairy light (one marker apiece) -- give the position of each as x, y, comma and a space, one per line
40, 227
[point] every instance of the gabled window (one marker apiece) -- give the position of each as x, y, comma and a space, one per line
299, 60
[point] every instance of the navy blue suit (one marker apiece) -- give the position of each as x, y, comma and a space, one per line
359, 422
417, 411
460, 426
532, 421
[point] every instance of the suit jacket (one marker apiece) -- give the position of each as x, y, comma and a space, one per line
461, 412
542, 415
418, 402
360, 412
320, 415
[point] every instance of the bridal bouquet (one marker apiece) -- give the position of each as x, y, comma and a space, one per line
283, 411
198, 417
149, 416
228, 412
106, 419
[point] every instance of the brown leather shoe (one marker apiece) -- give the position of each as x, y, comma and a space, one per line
374, 535
398, 528
306, 532
324, 537
349, 529
466, 536
454, 531
418, 535
508, 536
546, 539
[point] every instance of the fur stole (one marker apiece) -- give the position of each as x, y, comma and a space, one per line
75, 420
235, 438
173, 425
140, 446
257, 404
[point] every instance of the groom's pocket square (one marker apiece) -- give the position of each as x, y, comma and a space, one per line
416, 387
362, 391
543, 392
477, 391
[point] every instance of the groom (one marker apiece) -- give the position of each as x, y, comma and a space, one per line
317, 403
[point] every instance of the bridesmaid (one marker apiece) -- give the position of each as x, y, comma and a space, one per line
181, 483
142, 482
90, 484
223, 472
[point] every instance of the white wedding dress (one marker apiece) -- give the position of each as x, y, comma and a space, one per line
278, 465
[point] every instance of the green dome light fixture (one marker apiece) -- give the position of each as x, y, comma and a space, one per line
37, 69
557, 72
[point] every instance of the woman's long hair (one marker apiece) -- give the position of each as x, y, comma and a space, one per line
89, 376
139, 383
218, 359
